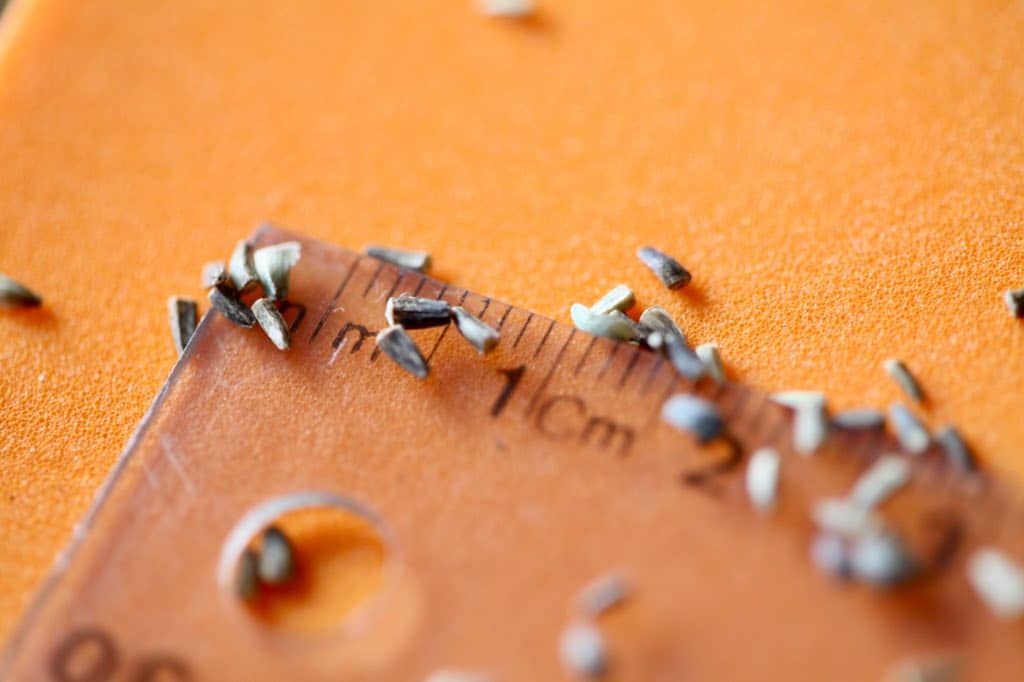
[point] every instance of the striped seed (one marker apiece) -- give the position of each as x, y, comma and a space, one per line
881, 559
16, 295
956, 450
452, 675
247, 580
413, 312
225, 301
1015, 302
620, 298
242, 267
858, 419
655, 319
671, 273
613, 325
912, 435
403, 258
213, 275
582, 650
888, 474
273, 266
662, 333
397, 345
810, 425
902, 376
999, 581
712, 361
272, 323
277, 557
183, 315
601, 594
695, 415
763, 479
480, 335
830, 554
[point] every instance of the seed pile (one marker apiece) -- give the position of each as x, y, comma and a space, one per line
418, 261
273, 563
16, 295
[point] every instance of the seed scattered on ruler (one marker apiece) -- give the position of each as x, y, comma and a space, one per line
844, 517
183, 315
859, 419
397, 345
932, 668
613, 325
696, 415
413, 312
671, 273
274, 265
512, 9
902, 376
452, 675
709, 355
481, 336
213, 274
582, 650
620, 298
403, 258
16, 295
277, 557
830, 555
1014, 299
999, 581
247, 577
601, 594
225, 301
912, 435
272, 323
880, 558
956, 450
810, 425
655, 319
662, 333
242, 267
888, 474
763, 478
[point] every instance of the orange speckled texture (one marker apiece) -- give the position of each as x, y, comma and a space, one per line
844, 179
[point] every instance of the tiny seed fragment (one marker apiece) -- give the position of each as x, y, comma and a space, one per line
452, 675
830, 555
273, 267
661, 332
16, 295
712, 360
671, 273
1015, 302
613, 325
225, 301
912, 435
247, 575
956, 450
582, 650
272, 323
213, 275
763, 478
999, 581
399, 346
277, 557
513, 9
413, 312
403, 258
881, 559
933, 668
690, 413
657, 320
810, 425
602, 594
620, 298
844, 518
858, 419
242, 267
481, 336
887, 475
902, 376
183, 315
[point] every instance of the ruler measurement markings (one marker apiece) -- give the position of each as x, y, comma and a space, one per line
334, 299
544, 339
422, 280
376, 273
551, 370
522, 330
608, 360
444, 331
504, 316
629, 368
652, 374
586, 354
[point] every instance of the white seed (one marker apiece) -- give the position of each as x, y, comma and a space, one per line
931, 668
225, 301
671, 273
620, 298
957, 452
213, 275
1014, 299
16, 295
247, 575
857, 419
241, 267
481, 336
695, 415
844, 517
830, 555
277, 557
999, 582
452, 675
182, 314
763, 478
887, 475
799, 399
810, 427
655, 319
683, 359
273, 267
662, 333
712, 360
397, 345
902, 376
613, 325
582, 650
601, 594
912, 435
413, 312
507, 8
881, 559
272, 323
403, 258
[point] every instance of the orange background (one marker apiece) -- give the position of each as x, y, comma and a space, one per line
844, 179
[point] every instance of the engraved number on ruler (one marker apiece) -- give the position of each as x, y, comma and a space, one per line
97, 650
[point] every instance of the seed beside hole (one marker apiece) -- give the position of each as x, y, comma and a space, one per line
16, 295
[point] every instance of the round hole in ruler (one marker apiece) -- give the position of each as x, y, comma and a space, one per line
342, 556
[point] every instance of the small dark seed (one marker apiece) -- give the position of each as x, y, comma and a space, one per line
247, 576
671, 273
410, 260
183, 315
272, 323
412, 312
957, 452
225, 301
16, 295
277, 557
397, 345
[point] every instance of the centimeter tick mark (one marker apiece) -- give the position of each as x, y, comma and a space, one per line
444, 331
504, 317
523, 330
551, 370
583, 358
376, 273
544, 339
629, 367
655, 366
334, 299
608, 362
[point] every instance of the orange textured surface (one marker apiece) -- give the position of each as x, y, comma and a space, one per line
845, 180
